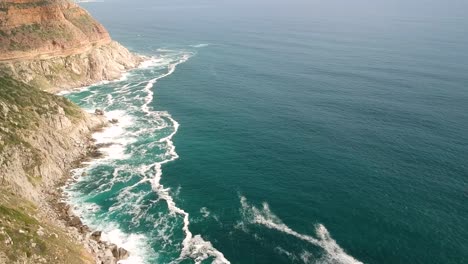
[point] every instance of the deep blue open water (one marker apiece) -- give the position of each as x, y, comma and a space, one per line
284, 132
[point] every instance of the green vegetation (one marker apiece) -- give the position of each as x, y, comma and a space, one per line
22, 109
36, 32
31, 103
19, 230
5, 6
23, 236
81, 20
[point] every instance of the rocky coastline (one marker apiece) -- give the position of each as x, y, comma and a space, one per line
104, 252
47, 47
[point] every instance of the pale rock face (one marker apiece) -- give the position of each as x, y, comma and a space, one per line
60, 142
107, 62
47, 28
52, 45
56, 45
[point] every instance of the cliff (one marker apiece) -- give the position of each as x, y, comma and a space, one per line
41, 136
55, 44
49, 45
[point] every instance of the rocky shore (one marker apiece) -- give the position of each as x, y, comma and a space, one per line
36, 157
51, 46
103, 251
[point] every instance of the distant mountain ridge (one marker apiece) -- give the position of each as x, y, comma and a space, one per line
55, 44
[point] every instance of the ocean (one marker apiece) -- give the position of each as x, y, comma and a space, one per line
283, 132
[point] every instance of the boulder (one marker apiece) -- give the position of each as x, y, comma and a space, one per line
75, 221
96, 235
99, 112
123, 254
108, 260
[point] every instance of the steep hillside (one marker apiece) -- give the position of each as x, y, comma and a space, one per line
41, 137
56, 44
49, 45
31, 28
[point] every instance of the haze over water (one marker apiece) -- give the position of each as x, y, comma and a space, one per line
285, 132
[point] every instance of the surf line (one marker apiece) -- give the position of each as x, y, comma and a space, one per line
194, 247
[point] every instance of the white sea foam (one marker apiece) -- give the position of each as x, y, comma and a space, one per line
204, 211
75, 90
123, 77
194, 247
92, 207
117, 138
265, 217
110, 100
203, 45
290, 255
152, 62
136, 244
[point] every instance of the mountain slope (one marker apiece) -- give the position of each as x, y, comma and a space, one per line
55, 44
41, 136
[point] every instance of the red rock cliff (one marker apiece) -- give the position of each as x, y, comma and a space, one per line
55, 45
47, 28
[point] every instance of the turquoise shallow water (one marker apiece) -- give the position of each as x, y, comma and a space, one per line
283, 133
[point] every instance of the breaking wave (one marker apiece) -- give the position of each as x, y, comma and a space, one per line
121, 193
265, 217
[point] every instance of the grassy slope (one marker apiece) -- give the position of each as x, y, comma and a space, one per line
31, 238
21, 109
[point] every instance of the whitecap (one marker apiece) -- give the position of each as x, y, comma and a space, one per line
204, 211
202, 45
265, 217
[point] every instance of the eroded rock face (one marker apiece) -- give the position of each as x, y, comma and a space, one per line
56, 45
46, 28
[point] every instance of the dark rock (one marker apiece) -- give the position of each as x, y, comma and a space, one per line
108, 260
96, 235
99, 112
75, 221
123, 254
114, 121
84, 229
115, 250
118, 252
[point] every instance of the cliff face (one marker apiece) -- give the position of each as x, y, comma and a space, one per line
33, 29
104, 62
57, 44
41, 136
49, 45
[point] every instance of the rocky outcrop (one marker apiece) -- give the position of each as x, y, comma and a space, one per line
49, 45
105, 252
55, 44
42, 136
33, 29
106, 62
